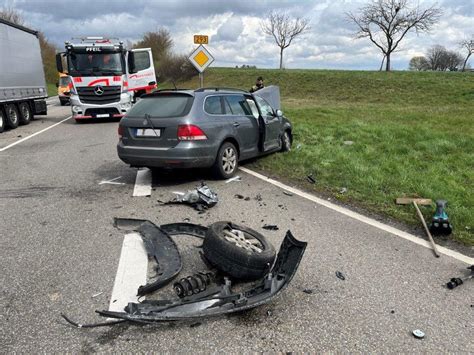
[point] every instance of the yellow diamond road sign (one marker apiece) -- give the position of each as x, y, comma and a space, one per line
201, 58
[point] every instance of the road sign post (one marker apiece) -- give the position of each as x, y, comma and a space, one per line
201, 59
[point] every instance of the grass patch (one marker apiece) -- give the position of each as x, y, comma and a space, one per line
413, 135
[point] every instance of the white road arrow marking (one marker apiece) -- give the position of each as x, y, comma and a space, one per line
112, 182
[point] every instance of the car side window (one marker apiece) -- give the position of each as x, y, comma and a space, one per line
213, 105
238, 104
265, 108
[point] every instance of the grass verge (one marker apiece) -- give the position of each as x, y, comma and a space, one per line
369, 137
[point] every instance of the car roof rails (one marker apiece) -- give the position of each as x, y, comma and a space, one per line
219, 89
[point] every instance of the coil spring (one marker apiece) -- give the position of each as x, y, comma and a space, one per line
193, 284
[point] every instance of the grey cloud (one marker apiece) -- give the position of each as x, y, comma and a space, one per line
229, 30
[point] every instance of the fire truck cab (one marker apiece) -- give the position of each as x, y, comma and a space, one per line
105, 77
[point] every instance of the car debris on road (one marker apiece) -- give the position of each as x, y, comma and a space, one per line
200, 198
232, 250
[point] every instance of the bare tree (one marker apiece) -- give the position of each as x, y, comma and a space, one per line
386, 22
468, 45
441, 59
284, 29
11, 15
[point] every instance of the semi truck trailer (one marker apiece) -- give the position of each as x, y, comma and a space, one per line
22, 83
105, 76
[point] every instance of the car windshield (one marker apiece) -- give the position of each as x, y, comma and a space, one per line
163, 105
88, 64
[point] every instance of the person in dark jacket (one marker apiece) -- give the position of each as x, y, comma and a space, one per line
258, 85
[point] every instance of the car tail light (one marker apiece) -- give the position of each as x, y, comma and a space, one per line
189, 132
121, 129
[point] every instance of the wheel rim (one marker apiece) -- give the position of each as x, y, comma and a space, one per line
243, 240
25, 113
13, 115
229, 160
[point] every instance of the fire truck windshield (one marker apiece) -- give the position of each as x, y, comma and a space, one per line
95, 64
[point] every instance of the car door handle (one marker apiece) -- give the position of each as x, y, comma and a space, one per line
236, 124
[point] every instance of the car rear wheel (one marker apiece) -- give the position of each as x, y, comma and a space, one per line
227, 161
13, 117
25, 113
285, 142
2, 121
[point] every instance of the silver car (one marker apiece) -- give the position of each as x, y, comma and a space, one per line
208, 127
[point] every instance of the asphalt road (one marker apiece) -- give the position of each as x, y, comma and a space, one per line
59, 248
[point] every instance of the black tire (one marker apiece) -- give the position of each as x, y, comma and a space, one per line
2, 120
286, 141
227, 161
13, 116
240, 260
26, 115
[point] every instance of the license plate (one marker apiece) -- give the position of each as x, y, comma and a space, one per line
147, 132
102, 115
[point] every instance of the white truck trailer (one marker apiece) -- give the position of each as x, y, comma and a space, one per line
22, 83
105, 77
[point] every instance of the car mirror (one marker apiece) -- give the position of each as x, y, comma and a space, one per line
279, 113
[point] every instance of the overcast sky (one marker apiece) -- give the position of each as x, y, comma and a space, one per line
234, 30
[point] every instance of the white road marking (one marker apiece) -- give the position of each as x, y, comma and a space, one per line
143, 183
34, 134
112, 181
131, 272
362, 218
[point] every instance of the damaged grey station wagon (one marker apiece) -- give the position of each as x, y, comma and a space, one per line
208, 127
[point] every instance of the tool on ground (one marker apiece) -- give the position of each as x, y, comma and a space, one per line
440, 224
421, 201
456, 281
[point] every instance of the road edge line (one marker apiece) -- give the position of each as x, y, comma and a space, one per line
33, 135
345, 211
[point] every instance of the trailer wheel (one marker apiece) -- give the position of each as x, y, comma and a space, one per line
25, 113
2, 121
13, 117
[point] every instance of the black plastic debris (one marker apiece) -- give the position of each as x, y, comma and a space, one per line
308, 291
239, 196
311, 179
270, 227
287, 193
200, 199
340, 275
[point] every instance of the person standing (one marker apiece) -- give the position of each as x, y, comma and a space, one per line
258, 85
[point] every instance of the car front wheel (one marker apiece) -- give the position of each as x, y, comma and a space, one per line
285, 142
227, 161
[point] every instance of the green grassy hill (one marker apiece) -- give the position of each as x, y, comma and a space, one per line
412, 134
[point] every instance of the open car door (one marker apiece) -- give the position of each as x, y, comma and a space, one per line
271, 124
140, 71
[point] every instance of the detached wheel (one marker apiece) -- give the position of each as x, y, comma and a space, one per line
227, 161
238, 251
13, 117
2, 120
26, 114
285, 142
